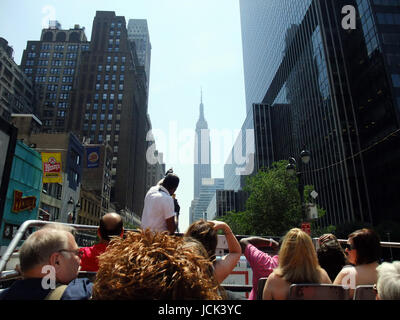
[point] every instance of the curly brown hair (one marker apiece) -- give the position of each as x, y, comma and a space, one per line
156, 266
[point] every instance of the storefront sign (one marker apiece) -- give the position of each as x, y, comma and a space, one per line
52, 167
23, 203
93, 156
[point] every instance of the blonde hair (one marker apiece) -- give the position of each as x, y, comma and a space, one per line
298, 262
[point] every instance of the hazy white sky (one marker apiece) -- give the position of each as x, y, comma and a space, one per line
195, 43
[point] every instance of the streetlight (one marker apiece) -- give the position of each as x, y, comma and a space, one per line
76, 205
291, 168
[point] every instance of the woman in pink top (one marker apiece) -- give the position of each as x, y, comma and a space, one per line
261, 263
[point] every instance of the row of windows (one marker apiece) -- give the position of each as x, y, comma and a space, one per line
387, 2
101, 128
53, 79
105, 96
52, 104
54, 87
108, 68
103, 106
113, 77
107, 87
47, 46
388, 18
56, 63
116, 59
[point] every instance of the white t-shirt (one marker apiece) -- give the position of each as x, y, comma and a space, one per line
158, 207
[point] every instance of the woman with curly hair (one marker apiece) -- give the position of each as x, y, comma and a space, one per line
154, 266
298, 263
206, 233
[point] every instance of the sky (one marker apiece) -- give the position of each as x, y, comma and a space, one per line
196, 45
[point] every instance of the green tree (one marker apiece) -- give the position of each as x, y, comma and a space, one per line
273, 206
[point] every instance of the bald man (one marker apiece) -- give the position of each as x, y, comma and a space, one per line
110, 225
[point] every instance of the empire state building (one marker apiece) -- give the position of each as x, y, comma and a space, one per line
202, 151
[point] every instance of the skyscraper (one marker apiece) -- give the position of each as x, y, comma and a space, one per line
52, 63
340, 91
138, 32
202, 151
110, 105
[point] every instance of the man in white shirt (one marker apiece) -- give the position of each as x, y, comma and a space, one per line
159, 210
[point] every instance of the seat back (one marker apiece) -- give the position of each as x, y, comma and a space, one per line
260, 287
317, 292
364, 292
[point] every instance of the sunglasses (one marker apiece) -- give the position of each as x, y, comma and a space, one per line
348, 246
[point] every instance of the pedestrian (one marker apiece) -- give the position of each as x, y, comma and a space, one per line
159, 209
111, 224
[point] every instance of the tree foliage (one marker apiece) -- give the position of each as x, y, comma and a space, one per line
273, 206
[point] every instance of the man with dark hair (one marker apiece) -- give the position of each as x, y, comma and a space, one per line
110, 225
159, 212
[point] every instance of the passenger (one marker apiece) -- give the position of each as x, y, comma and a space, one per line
261, 263
159, 208
331, 256
206, 233
363, 252
298, 263
110, 225
154, 266
388, 285
49, 263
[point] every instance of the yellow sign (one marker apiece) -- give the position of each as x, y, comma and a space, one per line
52, 167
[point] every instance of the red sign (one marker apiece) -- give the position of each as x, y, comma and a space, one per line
306, 227
23, 203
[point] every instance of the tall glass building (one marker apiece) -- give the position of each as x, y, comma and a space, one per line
336, 91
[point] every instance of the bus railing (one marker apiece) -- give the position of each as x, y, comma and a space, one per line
222, 246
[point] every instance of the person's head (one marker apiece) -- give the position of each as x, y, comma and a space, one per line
388, 284
50, 246
298, 262
111, 224
204, 232
156, 266
331, 255
363, 247
171, 183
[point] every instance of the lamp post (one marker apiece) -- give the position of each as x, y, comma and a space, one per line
76, 205
296, 168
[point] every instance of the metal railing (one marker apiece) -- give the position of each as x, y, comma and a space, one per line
221, 247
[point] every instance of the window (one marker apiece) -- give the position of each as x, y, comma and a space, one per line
396, 80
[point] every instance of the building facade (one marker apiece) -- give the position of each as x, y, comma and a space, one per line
138, 32
51, 64
16, 89
199, 206
202, 151
110, 105
338, 90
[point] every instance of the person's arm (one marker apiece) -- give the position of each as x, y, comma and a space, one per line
171, 226
258, 242
225, 266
